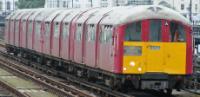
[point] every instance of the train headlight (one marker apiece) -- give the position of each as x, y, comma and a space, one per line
132, 63
125, 69
132, 50
139, 69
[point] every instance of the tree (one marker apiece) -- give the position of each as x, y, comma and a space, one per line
30, 4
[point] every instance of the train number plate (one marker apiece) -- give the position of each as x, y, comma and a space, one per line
154, 47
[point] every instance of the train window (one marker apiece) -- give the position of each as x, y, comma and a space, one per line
56, 29
79, 32
133, 32
12, 26
177, 32
47, 28
155, 30
106, 34
16, 26
30, 26
6, 25
91, 33
37, 27
24, 26
65, 30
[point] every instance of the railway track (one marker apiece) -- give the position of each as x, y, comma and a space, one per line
4, 88
53, 86
56, 87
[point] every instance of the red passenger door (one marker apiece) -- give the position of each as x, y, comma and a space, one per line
64, 48
7, 31
106, 59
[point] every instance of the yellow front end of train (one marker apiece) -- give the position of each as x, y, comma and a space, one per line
155, 57
154, 46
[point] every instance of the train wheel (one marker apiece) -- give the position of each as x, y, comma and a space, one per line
169, 91
117, 84
127, 85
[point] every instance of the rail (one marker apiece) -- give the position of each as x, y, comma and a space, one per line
55, 87
12, 90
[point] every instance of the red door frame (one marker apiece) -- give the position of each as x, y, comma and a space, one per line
14, 20
98, 30
27, 30
189, 66
33, 33
84, 36
33, 29
52, 33
165, 30
72, 32
61, 33
8, 30
20, 28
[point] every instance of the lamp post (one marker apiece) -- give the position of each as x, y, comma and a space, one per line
67, 3
13, 5
91, 1
117, 3
72, 3
5, 7
190, 10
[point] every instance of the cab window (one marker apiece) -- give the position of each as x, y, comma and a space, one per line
177, 32
133, 32
155, 30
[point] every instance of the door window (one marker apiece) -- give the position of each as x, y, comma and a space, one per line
56, 29
155, 31
30, 27
79, 32
91, 33
38, 27
24, 27
16, 26
12, 26
106, 34
47, 28
65, 30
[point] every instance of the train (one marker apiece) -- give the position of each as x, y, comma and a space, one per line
127, 47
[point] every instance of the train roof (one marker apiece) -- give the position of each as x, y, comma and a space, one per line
130, 14
35, 14
53, 15
112, 16
63, 15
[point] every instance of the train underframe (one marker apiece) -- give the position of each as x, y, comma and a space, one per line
121, 82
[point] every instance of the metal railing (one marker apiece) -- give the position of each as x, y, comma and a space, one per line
192, 86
